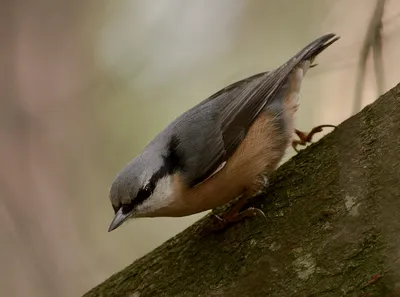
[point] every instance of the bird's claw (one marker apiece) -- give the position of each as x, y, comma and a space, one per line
219, 223
305, 138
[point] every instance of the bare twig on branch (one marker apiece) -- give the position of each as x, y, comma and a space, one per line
373, 40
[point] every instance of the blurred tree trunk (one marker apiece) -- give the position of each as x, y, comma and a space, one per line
332, 229
44, 68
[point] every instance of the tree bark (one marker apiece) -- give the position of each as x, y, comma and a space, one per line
332, 228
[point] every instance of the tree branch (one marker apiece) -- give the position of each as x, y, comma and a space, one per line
332, 228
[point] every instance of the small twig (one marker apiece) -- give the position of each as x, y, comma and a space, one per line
373, 36
378, 61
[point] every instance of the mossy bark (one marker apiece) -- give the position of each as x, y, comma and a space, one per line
332, 228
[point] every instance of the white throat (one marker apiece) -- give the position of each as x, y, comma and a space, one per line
161, 198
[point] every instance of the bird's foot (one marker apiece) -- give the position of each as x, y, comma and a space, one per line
220, 223
305, 137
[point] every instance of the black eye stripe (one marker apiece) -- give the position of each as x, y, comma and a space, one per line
116, 208
127, 208
172, 162
141, 196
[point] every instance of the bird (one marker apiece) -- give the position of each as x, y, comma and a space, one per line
223, 148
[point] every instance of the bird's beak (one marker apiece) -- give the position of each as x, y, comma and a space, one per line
118, 220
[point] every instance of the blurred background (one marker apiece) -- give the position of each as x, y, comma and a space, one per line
86, 84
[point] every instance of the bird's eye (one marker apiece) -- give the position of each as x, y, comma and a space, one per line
143, 194
137, 198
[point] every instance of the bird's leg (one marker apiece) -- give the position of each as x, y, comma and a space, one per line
234, 215
305, 138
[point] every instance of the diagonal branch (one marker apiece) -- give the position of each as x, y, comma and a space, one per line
332, 228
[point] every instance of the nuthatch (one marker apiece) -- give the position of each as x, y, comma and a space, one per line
223, 148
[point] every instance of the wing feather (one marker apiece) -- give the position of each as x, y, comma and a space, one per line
225, 117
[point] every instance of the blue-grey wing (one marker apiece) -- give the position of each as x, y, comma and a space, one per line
221, 121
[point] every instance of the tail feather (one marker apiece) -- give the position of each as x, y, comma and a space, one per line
272, 82
307, 54
313, 49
